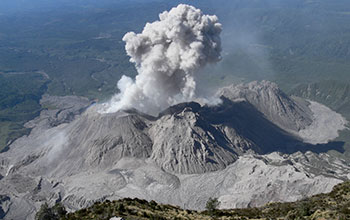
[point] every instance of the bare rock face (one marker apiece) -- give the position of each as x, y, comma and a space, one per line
82, 158
279, 108
188, 138
92, 141
59, 109
184, 142
96, 141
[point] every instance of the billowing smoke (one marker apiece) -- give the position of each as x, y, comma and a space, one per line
168, 54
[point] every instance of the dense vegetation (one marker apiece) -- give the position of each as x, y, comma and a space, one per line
333, 205
72, 51
19, 102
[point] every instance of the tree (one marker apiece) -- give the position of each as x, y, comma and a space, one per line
46, 213
212, 205
59, 210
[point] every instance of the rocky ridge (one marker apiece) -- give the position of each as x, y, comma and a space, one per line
185, 155
333, 205
291, 114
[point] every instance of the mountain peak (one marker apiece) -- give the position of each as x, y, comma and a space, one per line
289, 114
129, 153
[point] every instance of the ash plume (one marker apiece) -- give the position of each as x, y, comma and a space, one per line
167, 55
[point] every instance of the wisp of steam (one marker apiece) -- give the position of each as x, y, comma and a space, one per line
167, 55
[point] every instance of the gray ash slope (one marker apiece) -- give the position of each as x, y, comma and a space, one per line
288, 113
185, 155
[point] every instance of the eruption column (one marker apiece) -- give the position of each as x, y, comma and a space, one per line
167, 54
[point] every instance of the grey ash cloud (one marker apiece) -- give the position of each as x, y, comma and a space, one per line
168, 54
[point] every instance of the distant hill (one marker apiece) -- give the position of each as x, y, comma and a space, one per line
78, 45
246, 151
332, 93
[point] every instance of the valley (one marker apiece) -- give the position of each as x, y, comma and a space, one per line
85, 64
332, 205
269, 123
183, 156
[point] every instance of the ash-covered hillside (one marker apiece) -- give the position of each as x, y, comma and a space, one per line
234, 151
248, 145
333, 205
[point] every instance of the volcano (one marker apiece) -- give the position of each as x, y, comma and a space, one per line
247, 151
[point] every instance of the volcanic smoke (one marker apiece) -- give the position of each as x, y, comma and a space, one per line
167, 55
